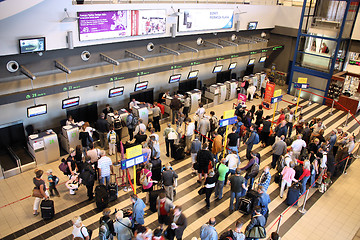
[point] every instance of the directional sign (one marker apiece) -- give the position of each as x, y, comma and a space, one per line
134, 151
127, 163
229, 114
276, 99
301, 85
229, 121
302, 80
277, 93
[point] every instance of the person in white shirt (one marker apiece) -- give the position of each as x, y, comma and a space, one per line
190, 127
105, 168
79, 231
140, 126
133, 103
351, 144
250, 92
186, 108
297, 146
263, 86
199, 114
290, 119
152, 131
233, 161
166, 95
204, 128
70, 121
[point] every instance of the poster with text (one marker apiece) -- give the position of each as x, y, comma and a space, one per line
146, 22
205, 19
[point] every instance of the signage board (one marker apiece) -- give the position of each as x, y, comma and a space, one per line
133, 151
130, 162
229, 114
229, 121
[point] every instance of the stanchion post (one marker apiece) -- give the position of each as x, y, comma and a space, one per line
303, 210
225, 140
279, 223
277, 107
310, 99
272, 122
301, 109
347, 160
332, 106
357, 151
295, 98
347, 118
134, 169
297, 103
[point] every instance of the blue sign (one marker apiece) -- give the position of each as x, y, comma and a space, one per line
127, 163
276, 99
301, 85
229, 121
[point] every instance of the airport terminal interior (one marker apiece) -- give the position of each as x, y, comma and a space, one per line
76, 58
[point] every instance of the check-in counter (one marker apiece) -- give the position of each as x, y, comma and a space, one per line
231, 89
195, 98
142, 111
222, 92
69, 137
213, 93
44, 147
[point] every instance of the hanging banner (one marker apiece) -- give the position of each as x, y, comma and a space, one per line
241, 98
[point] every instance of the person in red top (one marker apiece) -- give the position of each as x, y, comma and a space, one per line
163, 206
157, 235
305, 175
281, 117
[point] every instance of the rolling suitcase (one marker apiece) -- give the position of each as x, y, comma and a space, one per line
113, 188
293, 194
152, 199
47, 209
101, 197
179, 152
245, 205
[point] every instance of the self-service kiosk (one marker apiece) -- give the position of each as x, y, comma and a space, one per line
213, 93
69, 137
44, 147
142, 111
195, 98
231, 89
222, 92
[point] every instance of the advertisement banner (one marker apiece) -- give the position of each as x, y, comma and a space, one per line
122, 23
205, 19
269, 92
241, 98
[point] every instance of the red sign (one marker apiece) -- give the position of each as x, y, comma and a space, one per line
269, 92
241, 98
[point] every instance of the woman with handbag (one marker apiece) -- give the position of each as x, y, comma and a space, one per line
39, 191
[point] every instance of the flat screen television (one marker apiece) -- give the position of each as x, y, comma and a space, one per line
146, 96
252, 25
115, 92
251, 61
70, 102
262, 59
141, 86
217, 68
193, 74
232, 65
31, 45
174, 78
36, 110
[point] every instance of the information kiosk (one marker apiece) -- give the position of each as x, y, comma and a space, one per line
44, 147
69, 137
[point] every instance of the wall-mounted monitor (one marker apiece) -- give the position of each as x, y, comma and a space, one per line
262, 59
141, 86
217, 68
36, 110
174, 78
193, 74
252, 25
115, 92
232, 65
70, 102
31, 45
251, 61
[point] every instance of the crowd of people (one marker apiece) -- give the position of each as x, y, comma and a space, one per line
306, 155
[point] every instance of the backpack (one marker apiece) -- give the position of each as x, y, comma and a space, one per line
228, 235
254, 170
117, 123
238, 127
144, 179
327, 50
256, 139
131, 121
112, 137
216, 176
55, 180
213, 123
63, 166
88, 230
104, 231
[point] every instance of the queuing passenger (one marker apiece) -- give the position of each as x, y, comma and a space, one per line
280, 130
175, 106
251, 141
116, 121
131, 122
237, 184
195, 148
105, 219
217, 145
208, 231
156, 116
85, 138
232, 161
111, 137
158, 234
256, 220
223, 170
122, 226
169, 177
178, 223
149, 186
70, 161
186, 108
163, 206
88, 177
265, 132
233, 141
249, 173
168, 142
155, 148
105, 168
190, 127
297, 146
137, 211
203, 158
279, 149
332, 139
79, 230
259, 116
143, 233
214, 123
281, 117
265, 178
140, 137
237, 233
290, 119
263, 201
305, 175
39, 191
140, 127
209, 185
102, 127
288, 176
203, 128
306, 133
107, 110
263, 86
299, 126
90, 130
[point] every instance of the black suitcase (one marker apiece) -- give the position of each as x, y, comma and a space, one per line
245, 205
47, 209
277, 178
101, 197
179, 152
113, 191
152, 199
252, 195
293, 194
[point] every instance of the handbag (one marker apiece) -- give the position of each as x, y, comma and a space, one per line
256, 232
36, 193
201, 191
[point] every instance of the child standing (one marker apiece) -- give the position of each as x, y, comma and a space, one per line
326, 181
53, 181
111, 136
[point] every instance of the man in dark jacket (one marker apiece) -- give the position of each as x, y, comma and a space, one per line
102, 126
250, 142
203, 159
256, 220
175, 106
169, 177
280, 130
263, 201
178, 223
88, 177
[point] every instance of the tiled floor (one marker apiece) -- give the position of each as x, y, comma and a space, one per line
18, 221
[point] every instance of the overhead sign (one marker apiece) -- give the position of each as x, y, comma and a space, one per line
121, 23
133, 151
229, 114
229, 121
205, 19
301, 85
129, 162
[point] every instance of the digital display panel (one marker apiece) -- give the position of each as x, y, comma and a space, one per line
36, 110
141, 86
217, 69
174, 78
262, 59
232, 65
193, 74
251, 61
252, 25
31, 45
70, 102
115, 92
